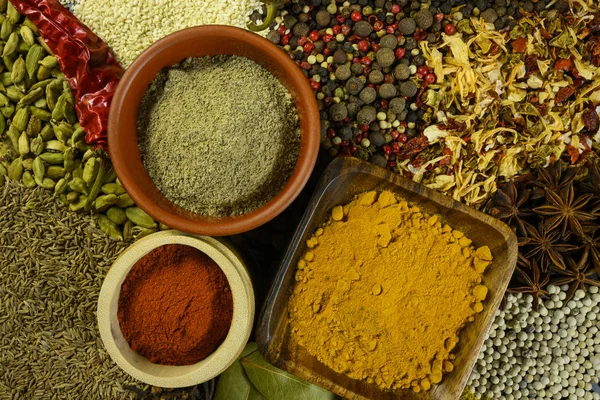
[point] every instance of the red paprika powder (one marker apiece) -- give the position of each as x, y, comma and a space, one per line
175, 306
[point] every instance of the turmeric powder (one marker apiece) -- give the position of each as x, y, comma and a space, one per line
383, 291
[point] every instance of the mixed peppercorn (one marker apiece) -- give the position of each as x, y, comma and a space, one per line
364, 63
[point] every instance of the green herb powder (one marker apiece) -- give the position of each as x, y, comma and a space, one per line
218, 135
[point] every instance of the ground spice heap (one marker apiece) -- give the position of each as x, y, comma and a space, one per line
346, 301
175, 306
218, 135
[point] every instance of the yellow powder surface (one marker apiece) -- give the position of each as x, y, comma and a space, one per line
383, 291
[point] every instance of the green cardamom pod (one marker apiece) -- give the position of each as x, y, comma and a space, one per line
79, 204
44, 45
49, 62
41, 104
28, 164
124, 201
46, 183
78, 135
22, 86
15, 169
63, 131
128, 230
57, 73
41, 114
43, 73
21, 119
4, 101
59, 109
47, 133
11, 45
72, 196
14, 134
27, 35
14, 94
28, 180
69, 164
141, 232
12, 14
42, 84
53, 93
61, 186
31, 97
5, 79
110, 175
55, 172
82, 146
109, 228
103, 203
95, 189
78, 170
56, 145
6, 29
23, 47
69, 112
37, 145
3, 6
34, 56
87, 155
116, 215
2, 180
163, 227
34, 127
62, 198
90, 170
2, 124
27, 22
113, 188
3, 170
23, 144
18, 70
53, 158
139, 217
7, 111
39, 169
78, 185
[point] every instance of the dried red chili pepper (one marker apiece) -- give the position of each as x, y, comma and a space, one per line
519, 45
413, 147
564, 93
90, 68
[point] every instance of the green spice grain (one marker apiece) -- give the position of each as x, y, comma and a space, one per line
219, 136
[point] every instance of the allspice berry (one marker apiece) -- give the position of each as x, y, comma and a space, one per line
388, 41
407, 26
343, 72
376, 77
301, 29
357, 68
339, 57
368, 95
338, 111
366, 115
379, 160
385, 57
408, 89
387, 91
323, 18
424, 19
397, 105
354, 85
402, 72
363, 28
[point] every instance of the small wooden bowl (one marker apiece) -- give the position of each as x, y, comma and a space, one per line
343, 179
198, 42
168, 376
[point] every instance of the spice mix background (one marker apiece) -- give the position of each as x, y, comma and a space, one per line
491, 102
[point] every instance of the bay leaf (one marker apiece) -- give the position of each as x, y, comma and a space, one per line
233, 384
275, 384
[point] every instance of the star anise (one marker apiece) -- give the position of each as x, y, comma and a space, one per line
546, 246
535, 284
565, 209
507, 205
554, 178
577, 275
591, 243
592, 184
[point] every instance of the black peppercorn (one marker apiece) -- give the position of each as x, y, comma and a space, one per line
377, 139
378, 160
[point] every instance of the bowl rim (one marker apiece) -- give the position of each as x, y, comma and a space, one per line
228, 351
227, 225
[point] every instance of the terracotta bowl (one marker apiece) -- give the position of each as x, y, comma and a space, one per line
197, 42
